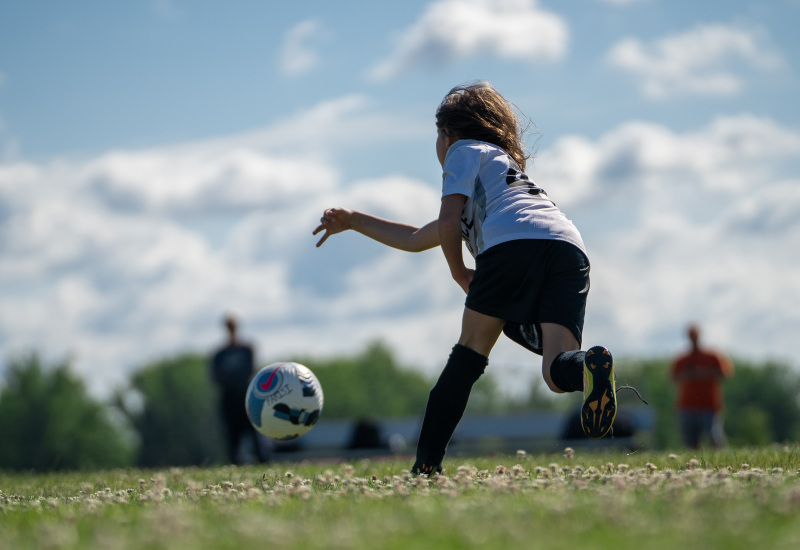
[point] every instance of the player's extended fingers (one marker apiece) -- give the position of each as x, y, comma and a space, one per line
324, 238
324, 223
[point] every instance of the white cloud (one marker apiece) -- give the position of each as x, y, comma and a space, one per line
686, 226
706, 60
196, 182
324, 130
298, 53
133, 255
726, 156
452, 30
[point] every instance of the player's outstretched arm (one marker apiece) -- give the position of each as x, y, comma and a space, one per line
395, 234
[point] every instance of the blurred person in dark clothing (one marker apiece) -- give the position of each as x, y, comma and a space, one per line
232, 367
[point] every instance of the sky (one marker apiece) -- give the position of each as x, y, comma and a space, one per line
163, 162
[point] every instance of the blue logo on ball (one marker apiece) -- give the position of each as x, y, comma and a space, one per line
267, 382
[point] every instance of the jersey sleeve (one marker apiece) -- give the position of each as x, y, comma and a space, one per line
460, 171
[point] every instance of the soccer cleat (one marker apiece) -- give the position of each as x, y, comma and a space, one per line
599, 396
426, 469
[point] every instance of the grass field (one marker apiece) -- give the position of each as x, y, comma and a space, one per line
736, 498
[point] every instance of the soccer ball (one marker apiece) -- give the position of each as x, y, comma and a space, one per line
284, 400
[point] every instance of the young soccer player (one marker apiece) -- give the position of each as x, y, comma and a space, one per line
531, 275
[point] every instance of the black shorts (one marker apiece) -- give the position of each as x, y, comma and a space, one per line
528, 282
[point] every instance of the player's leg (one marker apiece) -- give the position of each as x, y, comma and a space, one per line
231, 409
479, 332
690, 429
561, 307
566, 369
448, 398
717, 430
562, 360
263, 446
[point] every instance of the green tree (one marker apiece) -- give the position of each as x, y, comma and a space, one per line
762, 401
768, 393
651, 377
373, 384
178, 421
540, 398
49, 422
370, 384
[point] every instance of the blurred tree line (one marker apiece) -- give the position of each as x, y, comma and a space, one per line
762, 400
48, 421
167, 415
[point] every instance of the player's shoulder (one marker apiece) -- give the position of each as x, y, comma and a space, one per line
712, 353
476, 153
681, 360
244, 346
474, 147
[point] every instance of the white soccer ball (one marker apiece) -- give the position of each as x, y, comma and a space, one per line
284, 400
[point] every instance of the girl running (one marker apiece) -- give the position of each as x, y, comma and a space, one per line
531, 276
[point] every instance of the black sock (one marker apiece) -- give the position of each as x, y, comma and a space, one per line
566, 371
446, 403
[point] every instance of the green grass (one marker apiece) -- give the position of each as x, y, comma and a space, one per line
735, 498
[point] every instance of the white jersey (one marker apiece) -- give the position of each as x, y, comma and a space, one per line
502, 203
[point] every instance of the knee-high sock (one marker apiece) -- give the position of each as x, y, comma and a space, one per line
446, 403
567, 370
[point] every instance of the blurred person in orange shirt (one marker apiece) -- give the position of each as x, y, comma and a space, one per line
699, 374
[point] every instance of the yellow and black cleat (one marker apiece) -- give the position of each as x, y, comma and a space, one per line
599, 395
426, 469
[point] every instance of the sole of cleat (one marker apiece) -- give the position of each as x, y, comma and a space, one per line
426, 469
599, 396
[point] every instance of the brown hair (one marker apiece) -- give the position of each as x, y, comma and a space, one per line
478, 111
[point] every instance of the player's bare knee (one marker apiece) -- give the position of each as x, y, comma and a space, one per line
548, 380
553, 388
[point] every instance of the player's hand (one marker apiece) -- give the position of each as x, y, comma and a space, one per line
464, 279
333, 220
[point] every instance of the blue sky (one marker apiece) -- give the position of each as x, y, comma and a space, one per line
164, 161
